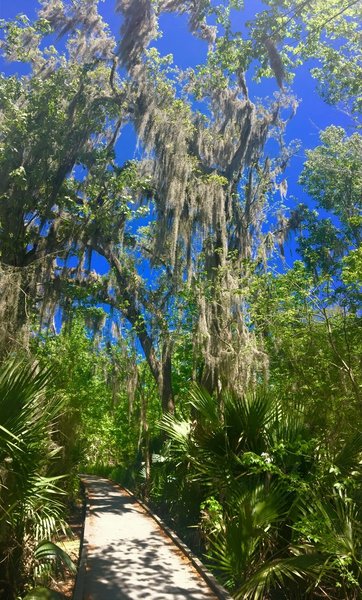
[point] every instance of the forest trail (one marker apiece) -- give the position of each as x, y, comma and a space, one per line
126, 554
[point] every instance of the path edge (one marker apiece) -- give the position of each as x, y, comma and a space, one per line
78, 591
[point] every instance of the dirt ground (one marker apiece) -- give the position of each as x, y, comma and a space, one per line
71, 545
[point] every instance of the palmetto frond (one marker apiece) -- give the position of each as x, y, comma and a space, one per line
205, 405
47, 551
248, 419
30, 500
251, 521
179, 432
278, 574
43, 509
349, 456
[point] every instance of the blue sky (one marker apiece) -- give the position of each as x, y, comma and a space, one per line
312, 116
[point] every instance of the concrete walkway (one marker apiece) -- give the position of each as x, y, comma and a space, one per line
127, 555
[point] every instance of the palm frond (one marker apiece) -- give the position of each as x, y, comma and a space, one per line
30, 502
205, 405
349, 456
177, 430
276, 574
46, 551
247, 420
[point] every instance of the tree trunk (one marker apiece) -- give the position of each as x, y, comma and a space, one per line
161, 369
167, 397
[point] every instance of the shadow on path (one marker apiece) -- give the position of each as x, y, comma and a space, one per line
129, 557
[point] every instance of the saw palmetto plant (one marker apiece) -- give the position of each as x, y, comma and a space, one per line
287, 522
30, 500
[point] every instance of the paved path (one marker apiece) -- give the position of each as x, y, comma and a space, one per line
127, 554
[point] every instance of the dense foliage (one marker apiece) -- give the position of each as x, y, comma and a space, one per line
30, 497
150, 326
281, 512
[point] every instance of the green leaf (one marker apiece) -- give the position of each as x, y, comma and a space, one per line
49, 551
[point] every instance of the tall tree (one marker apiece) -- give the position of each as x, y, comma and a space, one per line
209, 176
51, 121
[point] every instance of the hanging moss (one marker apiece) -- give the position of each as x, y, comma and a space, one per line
197, 164
90, 37
140, 24
209, 177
